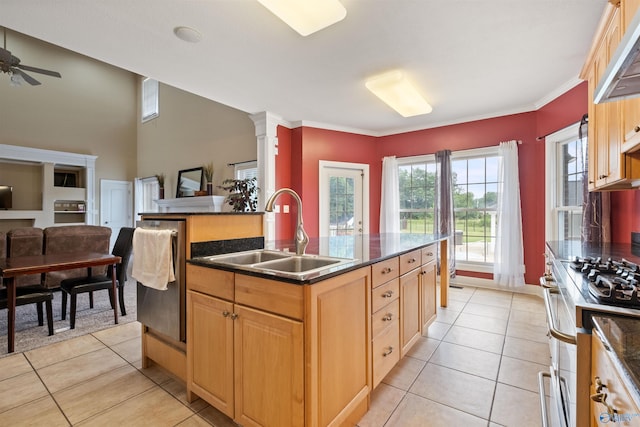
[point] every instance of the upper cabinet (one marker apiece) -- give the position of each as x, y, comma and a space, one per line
612, 124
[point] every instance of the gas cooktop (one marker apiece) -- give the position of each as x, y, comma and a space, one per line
615, 282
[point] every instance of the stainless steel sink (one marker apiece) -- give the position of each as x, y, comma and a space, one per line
253, 257
278, 263
300, 264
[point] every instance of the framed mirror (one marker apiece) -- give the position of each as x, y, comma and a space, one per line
189, 181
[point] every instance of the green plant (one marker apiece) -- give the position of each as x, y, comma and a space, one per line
243, 195
207, 169
160, 178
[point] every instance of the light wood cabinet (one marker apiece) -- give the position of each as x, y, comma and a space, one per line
410, 271
612, 125
386, 317
611, 401
280, 354
428, 280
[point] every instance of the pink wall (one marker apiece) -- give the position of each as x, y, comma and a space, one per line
309, 145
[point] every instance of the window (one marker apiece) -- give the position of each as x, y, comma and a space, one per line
475, 177
566, 169
246, 170
150, 104
149, 191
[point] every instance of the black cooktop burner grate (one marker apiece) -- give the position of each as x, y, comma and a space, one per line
611, 282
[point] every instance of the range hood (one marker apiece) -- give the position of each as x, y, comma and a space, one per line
621, 79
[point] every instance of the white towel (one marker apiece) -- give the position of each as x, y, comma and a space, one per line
152, 258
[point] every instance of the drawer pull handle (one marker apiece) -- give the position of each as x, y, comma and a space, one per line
636, 129
387, 352
387, 294
225, 313
388, 317
411, 261
429, 253
386, 270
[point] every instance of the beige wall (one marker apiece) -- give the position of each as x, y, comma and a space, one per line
191, 131
90, 110
94, 109
26, 180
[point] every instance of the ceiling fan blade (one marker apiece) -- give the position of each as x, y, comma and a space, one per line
39, 70
27, 78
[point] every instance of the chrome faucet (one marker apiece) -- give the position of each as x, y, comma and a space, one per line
302, 238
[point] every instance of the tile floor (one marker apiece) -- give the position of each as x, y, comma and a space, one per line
477, 366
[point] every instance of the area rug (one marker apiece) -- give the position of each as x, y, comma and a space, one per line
29, 335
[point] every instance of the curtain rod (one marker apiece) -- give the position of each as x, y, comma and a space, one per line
239, 163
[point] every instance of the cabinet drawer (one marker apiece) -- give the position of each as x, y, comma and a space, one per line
386, 351
273, 296
383, 295
384, 317
383, 271
217, 283
409, 261
618, 395
428, 254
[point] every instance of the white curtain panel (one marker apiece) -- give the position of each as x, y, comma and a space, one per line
390, 196
508, 267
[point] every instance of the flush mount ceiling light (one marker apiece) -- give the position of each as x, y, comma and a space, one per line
397, 92
306, 16
187, 34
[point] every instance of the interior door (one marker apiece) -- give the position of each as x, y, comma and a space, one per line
342, 199
116, 203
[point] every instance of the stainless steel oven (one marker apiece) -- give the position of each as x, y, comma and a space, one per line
572, 294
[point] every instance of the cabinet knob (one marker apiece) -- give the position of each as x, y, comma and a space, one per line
387, 352
387, 294
234, 316
388, 317
636, 129
225, 313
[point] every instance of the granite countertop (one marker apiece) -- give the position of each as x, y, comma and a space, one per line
622, 335
363, 250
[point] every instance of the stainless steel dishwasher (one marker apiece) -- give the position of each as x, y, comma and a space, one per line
165, 311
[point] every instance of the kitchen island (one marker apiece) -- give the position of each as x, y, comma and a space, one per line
270, 349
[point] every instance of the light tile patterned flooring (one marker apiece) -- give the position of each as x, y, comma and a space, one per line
477, 366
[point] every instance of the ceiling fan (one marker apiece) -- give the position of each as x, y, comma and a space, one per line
11, 64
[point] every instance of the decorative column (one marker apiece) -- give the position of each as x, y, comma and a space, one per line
266, 124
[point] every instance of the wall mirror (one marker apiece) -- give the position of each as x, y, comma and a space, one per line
189, 181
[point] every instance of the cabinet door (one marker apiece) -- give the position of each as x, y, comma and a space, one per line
427, 296
269, 369
210, 353
614, 167
409, 310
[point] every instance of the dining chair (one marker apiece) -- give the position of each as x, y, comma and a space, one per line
78, 285
27, 241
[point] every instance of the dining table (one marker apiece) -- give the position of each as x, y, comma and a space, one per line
12, 267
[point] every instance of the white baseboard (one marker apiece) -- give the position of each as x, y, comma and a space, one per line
490, 284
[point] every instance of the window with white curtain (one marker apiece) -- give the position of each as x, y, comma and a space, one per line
566, 166
475, 195
150, 103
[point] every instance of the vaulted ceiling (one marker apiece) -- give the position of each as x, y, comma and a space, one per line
471, 59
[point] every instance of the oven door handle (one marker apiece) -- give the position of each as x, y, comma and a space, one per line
543, 397
557, 334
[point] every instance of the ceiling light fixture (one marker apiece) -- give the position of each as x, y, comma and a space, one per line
397, 92
306, 16
187, 34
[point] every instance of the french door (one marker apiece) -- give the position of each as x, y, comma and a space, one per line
344, 204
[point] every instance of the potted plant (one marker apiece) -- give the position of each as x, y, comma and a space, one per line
207, 170
243, 195
160, 178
